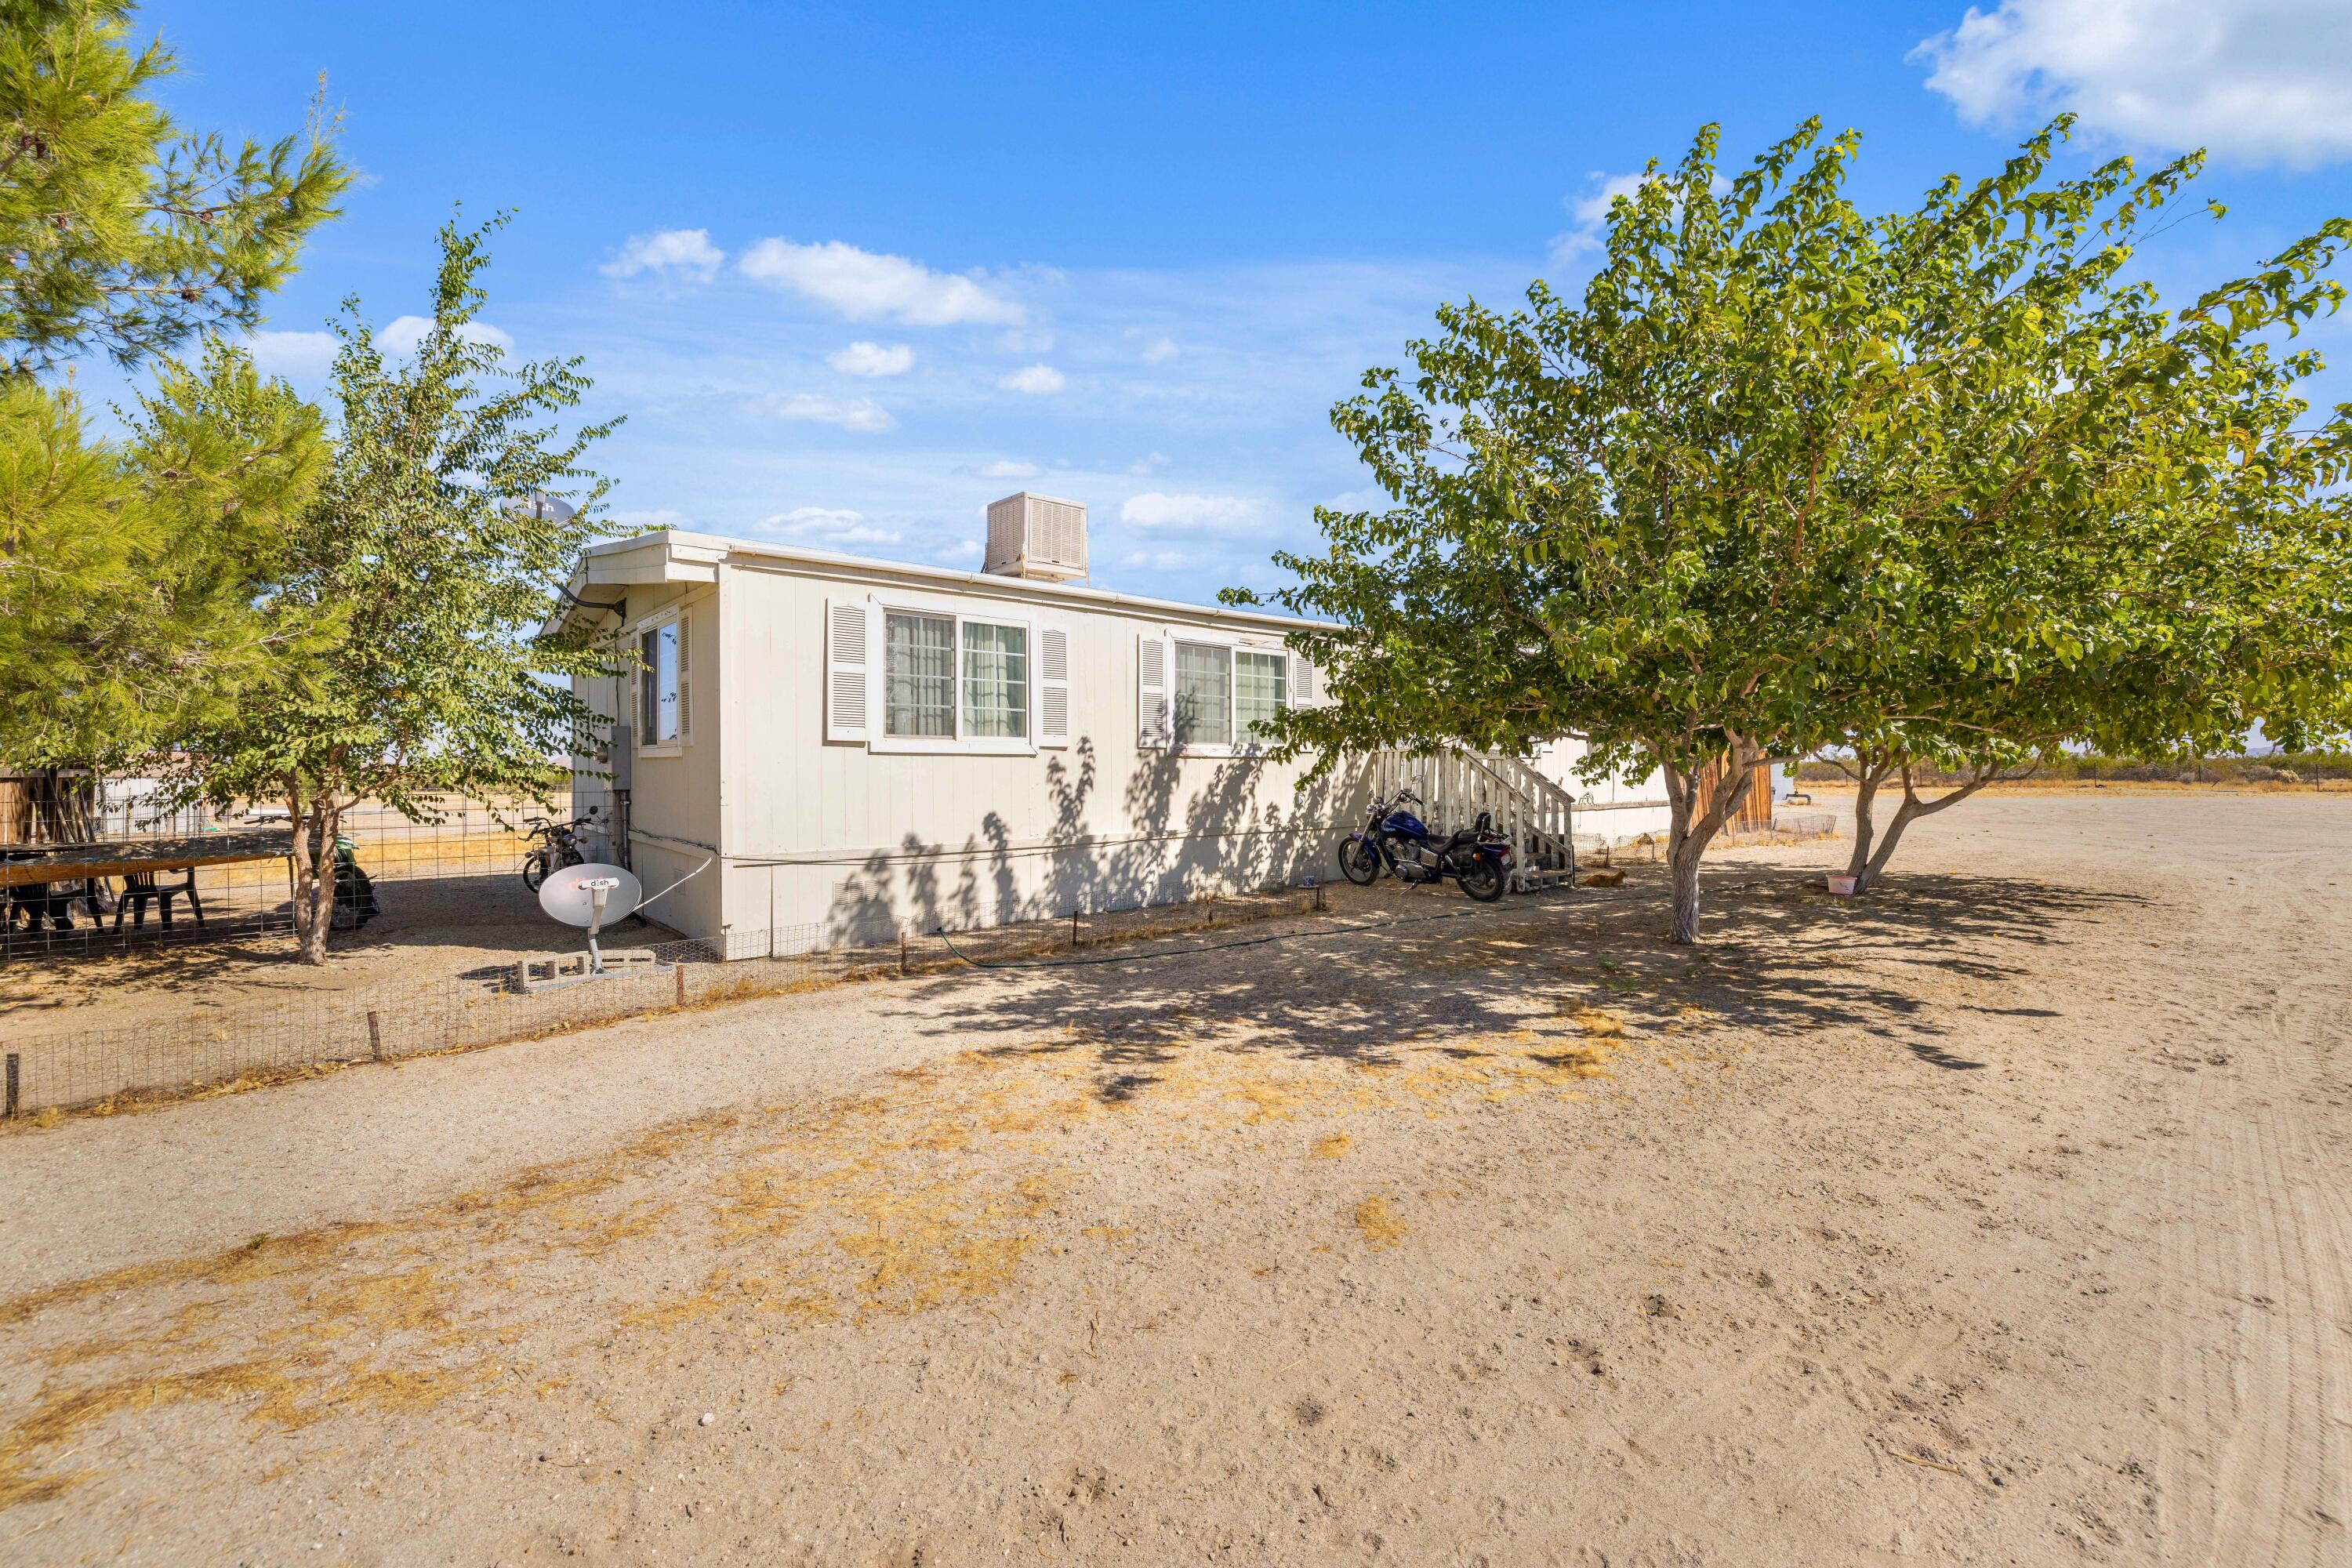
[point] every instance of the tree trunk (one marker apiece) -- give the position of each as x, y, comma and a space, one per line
1911, 810
1870, 772
1693, 829
315, 826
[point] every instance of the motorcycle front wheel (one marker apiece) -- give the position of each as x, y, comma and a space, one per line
535, 869
1483, 879
1360, 862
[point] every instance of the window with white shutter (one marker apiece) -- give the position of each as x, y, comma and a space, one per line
1302, 681
1053, 687
848, 669
1151, 710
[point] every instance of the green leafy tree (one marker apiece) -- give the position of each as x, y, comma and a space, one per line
131, 570
1788, 476
120, 232
436, 577
2117, 525
1610, 518
123, 563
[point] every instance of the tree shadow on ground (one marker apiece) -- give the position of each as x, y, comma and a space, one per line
1781, 955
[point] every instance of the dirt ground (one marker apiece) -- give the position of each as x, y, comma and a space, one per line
448, 926
1998, 1218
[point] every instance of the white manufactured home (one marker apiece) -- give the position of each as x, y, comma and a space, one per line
829, 750
836, 748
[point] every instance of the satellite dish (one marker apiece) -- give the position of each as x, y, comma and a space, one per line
540, 505
590, 894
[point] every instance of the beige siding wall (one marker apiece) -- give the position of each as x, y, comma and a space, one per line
833, 843
676, 797
1612, 808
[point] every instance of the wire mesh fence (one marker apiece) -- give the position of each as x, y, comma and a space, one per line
115, 1065
147, 876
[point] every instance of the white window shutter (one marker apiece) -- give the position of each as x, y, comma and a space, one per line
1153, 717
848, 669
1302, 681
1053, 687
685, 679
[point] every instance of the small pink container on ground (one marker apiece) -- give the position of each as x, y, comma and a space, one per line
1843, 886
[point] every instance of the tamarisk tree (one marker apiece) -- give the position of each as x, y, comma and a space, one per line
432, 574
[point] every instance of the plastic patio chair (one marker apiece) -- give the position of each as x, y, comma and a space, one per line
140, 888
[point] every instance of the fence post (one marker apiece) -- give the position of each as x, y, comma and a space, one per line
680, 967
902, 953
1074, 926
15, 1087
375, 1037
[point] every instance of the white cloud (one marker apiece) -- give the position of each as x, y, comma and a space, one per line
848, 413
1158, 560
872, 359
1590, 212
865, 287
1194, 514
1159, 351
1036, 378
681, 252
963, 549
405, 332
2259, 80
1150, 463
1005, 469
306, 354
827, 525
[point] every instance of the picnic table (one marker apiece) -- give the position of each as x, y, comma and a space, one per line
24, 865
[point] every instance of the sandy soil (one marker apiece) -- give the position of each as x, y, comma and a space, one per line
2000, 1218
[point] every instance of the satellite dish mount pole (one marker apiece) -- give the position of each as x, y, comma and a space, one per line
597, 887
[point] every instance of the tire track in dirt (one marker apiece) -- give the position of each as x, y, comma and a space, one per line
2255, 1330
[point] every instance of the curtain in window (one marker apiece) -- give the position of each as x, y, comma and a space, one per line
995, 681
1204, 695
657, 700
918, 675
1259, 692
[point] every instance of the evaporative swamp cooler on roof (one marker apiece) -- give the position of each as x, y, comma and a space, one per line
1036, 536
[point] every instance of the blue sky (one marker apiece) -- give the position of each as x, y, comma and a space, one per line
851, 272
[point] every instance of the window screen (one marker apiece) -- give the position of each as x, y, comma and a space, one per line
1258, 693
659, 693
1204, 695
995, 681
918, 675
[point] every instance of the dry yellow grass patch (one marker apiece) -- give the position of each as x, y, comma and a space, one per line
931, 1191
1379, 1222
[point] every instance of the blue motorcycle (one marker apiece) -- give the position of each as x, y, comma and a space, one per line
1395, 841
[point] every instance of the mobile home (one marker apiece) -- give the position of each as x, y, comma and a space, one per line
830, 749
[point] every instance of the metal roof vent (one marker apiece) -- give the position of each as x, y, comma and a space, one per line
1036, 536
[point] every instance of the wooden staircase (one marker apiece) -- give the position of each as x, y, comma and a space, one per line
1535, 814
